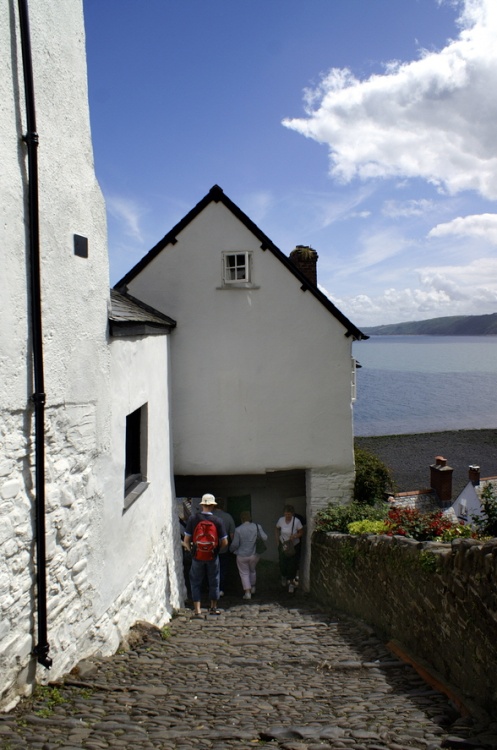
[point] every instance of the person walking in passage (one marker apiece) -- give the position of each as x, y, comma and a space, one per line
288, 533
229, 525
243, 545
205, 542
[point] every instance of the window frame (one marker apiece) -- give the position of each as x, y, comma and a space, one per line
247, 265
136, 454
353, 384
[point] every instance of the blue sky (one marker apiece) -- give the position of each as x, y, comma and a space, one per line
364, 128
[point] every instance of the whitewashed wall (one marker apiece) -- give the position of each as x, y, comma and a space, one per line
101, 574
261, 377
132, 540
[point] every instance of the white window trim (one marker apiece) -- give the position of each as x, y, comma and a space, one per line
354, 381
238, 283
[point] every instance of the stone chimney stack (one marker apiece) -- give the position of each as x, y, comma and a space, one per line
441, 480
474, 474
305, 259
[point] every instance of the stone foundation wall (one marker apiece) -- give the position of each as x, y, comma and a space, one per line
438, 600
323, 486
73, 503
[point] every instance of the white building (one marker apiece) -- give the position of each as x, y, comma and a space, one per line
468, 505
262, 368
112, 544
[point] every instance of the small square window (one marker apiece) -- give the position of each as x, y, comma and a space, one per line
236, 268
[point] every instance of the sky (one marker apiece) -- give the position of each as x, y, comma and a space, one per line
363, 128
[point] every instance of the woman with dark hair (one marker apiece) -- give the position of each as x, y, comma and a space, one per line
288, 532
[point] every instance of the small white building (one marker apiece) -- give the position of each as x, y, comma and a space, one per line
468, 505
262, 373
88, 457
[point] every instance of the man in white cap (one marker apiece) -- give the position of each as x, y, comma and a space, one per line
205, 535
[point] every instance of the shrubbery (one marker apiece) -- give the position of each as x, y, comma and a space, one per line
367, 527
487, 525
423, 526
372, 478
357, 518
338, 517
368, 514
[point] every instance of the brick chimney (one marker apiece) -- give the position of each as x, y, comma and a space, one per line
305, 259
474, 474
441, 480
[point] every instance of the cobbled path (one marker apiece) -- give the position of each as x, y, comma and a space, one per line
272, 672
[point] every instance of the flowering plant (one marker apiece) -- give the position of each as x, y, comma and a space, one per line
413, 523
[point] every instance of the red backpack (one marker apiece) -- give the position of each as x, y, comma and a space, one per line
205, 540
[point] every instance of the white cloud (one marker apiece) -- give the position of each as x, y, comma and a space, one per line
449, 290
473, 280
377, 246
432, 118
128, 212
331, 209
482, 226
405, 209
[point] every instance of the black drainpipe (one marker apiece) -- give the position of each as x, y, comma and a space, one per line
31, 139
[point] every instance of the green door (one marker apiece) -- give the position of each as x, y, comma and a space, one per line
238, 504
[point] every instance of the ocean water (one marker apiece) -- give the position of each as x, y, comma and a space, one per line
411, 384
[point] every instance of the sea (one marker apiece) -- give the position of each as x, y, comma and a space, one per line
413, 384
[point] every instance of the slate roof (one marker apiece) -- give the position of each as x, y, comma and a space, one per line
217, 195
130, 317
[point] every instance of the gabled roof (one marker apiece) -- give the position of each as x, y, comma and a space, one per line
130, 317
217, 195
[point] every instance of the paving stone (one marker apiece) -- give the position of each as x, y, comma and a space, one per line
275, 670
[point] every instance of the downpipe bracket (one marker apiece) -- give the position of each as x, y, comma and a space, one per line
41, 654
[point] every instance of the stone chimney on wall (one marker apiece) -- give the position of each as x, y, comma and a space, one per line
305, 259
474, 474
441, 480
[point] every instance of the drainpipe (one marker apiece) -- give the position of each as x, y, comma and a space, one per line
31, 139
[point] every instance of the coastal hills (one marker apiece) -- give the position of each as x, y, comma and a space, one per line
456, 325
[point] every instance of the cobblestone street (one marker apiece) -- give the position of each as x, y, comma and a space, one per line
274, 671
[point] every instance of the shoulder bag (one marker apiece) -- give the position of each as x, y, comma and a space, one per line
260, 544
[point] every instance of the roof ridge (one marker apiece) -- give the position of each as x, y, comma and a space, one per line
217, 195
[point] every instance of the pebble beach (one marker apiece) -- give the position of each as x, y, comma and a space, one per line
409, 456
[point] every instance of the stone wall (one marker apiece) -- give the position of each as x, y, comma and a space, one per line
76, 627
438, 600
322, 485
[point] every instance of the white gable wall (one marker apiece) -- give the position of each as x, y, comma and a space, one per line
261, 377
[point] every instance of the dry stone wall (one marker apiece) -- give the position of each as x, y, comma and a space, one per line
438, 600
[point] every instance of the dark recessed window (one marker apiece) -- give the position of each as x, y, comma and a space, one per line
135, 469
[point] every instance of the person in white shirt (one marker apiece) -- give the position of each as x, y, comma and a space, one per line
288, 532
243, 546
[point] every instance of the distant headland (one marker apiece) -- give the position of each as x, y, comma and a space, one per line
456, 325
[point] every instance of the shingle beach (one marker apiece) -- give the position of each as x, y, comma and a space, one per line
409, 456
